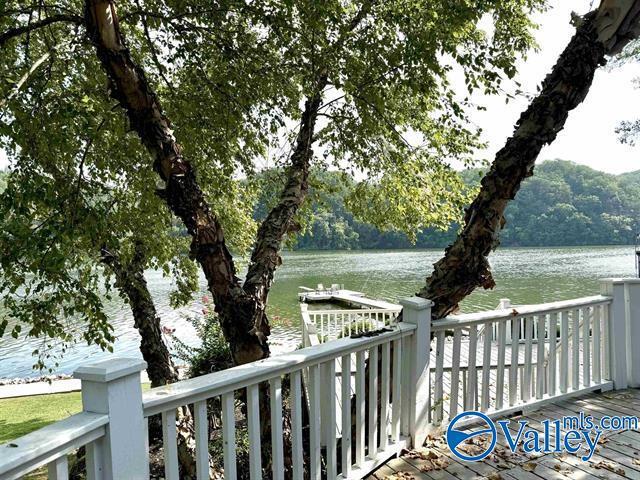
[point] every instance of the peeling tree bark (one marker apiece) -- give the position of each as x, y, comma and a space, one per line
182, 193
280, 221
132, 286
464, 265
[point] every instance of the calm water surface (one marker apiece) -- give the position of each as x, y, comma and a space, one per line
524, 275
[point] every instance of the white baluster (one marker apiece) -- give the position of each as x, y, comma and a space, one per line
346, 415
486, 366
253, 419
314, 419
575, 350
360, 408
277, 447
202, 440
473, 378
296, 425
437, 381
513, 368
372, 441
502, 346
58, 469
564, 352
169, 445
396, 391
329, 420
95, 457
528, 350
455, 373
597, 319
384, 396
540, 380
606, 344
228, 437
553, 346
586, 350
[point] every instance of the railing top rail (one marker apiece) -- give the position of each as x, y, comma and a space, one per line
354, 311
477, 318
181, 393
37, 448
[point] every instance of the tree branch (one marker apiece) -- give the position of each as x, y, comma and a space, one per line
265, 257
23, 79
465, 265
182, 193
57, 18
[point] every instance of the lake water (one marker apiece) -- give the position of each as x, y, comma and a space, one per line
524, 275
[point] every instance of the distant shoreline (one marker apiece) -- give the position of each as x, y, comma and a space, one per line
416, 249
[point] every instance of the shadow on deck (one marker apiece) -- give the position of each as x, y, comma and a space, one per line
617, 455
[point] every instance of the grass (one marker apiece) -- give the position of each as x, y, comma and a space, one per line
22, 415
19, 416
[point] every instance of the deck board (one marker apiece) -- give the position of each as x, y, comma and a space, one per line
616, 456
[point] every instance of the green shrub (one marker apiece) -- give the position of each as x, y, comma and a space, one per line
213, 353
358, 326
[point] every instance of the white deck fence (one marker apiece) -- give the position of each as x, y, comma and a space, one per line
399, 384
320, 326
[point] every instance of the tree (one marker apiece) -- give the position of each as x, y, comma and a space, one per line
353, 78
384, 85
75, 226
464, 266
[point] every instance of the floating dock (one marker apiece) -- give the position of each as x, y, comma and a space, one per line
350, 298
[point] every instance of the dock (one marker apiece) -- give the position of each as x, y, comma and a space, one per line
342, 296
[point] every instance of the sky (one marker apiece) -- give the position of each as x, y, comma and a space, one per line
589, 136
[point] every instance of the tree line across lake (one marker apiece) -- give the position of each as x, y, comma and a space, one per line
562, 204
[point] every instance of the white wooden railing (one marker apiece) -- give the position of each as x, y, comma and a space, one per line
398, 382
569, 355
319, 326
49, 447
378, 375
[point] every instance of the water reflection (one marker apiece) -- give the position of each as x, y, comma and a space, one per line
525, 275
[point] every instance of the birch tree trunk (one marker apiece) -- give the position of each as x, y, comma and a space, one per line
465, 265
182, 193
133, 288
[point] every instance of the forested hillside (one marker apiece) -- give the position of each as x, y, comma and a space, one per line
562, 204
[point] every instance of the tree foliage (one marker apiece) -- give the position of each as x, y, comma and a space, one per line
232, 76
563, 204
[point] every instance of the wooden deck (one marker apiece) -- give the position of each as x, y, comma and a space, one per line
617, 456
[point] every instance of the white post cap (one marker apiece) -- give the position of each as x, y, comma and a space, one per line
109, 370
617, 281
416, 303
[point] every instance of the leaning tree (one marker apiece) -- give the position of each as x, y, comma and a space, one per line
79, 216
601, 33
355, 79
365, 83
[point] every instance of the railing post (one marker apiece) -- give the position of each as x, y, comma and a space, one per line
304, 316
415, 366
113, 387
625, 334
618, 331
632, 292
